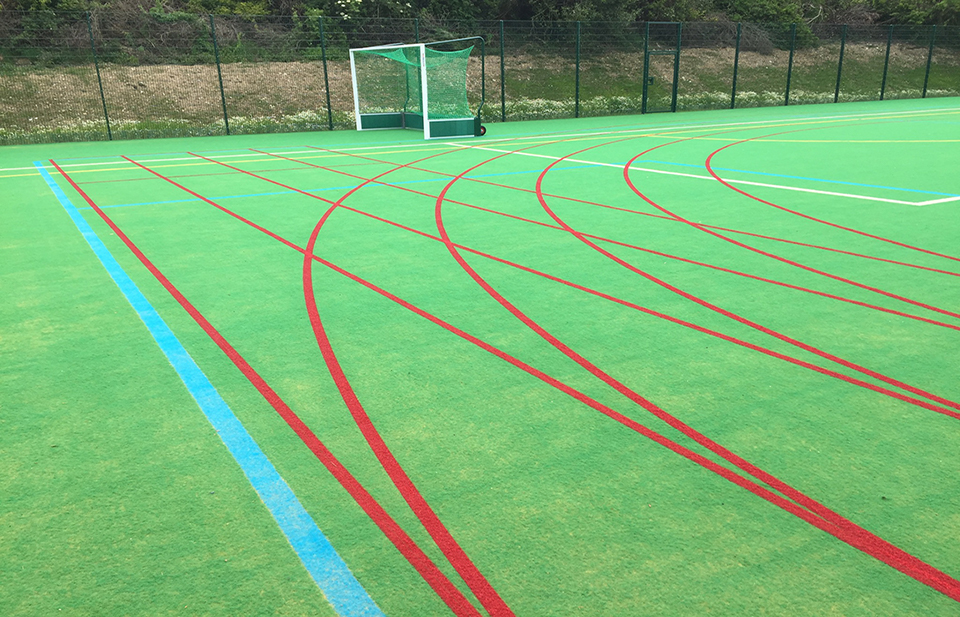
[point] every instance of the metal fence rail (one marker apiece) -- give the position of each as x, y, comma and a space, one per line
74, 76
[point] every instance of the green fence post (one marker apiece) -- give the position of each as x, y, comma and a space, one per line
646, 68
503, 86
736, 64
843, 44
793, 46
483, 74
216, 56
886, 62
326, 79
926, 77
676, 67
416, 28
576, 104
96, 64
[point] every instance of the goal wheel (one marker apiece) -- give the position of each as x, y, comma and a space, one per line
483, 130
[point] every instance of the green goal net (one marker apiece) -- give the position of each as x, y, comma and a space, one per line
416, 87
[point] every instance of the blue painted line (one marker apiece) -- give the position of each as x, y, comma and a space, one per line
325, 566
762, 173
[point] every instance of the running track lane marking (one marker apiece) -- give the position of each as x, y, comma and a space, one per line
631, 246
746, 344
699, 177
444, 540
814, 350
710, 170
437, 580
476, 178
614, 130
856, 537
326, 567
706, 304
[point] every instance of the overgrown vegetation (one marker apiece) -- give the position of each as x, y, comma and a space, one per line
943, 12
153, 70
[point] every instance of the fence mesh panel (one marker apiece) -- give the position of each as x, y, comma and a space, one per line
706, 65
908, 62
272, 71
764, 64
863, 57
160, 72
48, 83
611, 68
945, 63
815, 64
540, 69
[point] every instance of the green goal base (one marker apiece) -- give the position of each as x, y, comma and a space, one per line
446, 127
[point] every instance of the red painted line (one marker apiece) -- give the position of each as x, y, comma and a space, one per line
648, 214
222, 173
631, 246
851, 533
448, 592
848, 532
833, 358
626, 175
713, 307
648, 311
807, 216
856, 537
454, 553
670, 318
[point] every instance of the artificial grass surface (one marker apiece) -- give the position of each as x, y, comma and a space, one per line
564, 510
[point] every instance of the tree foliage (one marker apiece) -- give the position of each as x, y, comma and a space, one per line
944, 12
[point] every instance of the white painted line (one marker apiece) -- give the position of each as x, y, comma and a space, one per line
645, 130
937, 201
700, 177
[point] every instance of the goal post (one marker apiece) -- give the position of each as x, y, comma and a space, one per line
416, 86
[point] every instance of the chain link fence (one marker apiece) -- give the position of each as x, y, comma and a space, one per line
113, 75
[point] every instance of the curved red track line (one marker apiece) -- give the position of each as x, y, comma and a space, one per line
451, 549
648, 214
796, 264
885, 379
908, 564
875, 374
675, 320
807, 216
858, 536
637, 307
626, 245
729, 314
850, 533
446, 590
844, 529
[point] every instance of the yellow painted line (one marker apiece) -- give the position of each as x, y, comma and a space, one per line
198, 163
863, 141
20, 175
542, 140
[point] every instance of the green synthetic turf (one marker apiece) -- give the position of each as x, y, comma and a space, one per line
118, 497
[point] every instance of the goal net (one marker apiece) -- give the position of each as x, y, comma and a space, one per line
415, 87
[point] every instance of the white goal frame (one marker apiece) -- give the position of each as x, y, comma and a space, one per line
448, 127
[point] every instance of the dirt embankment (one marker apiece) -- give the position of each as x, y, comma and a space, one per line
275, 89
